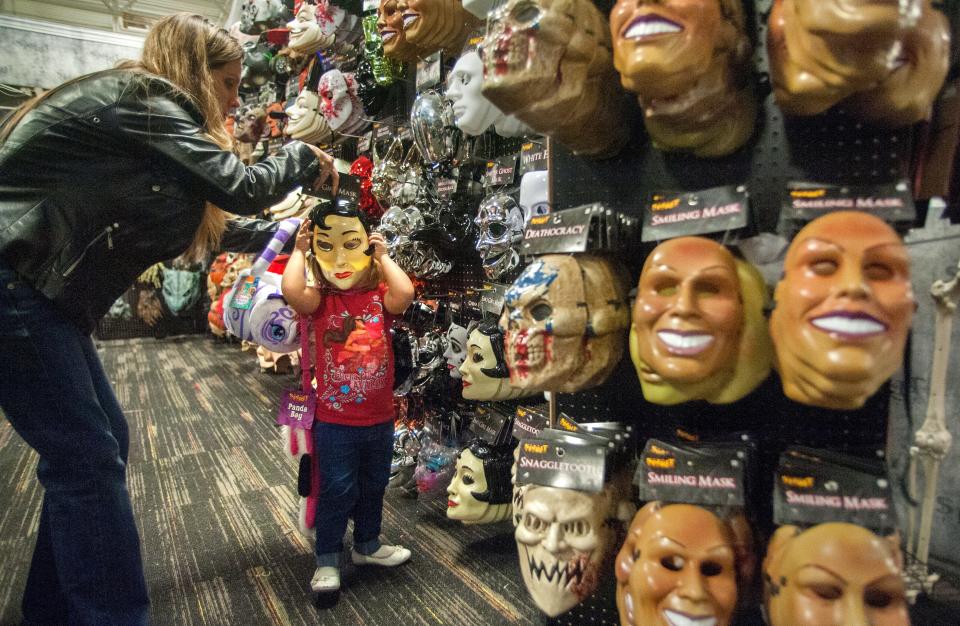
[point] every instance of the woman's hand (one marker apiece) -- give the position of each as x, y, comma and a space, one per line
327, 171
379, 245
304, 236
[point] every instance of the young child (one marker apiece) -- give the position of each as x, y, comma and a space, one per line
359, 289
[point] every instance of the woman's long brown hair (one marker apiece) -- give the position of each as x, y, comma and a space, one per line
182, 48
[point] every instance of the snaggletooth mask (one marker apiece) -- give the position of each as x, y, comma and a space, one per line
833, 574
690, 62
456, 350
484, 372
565, 539
549, 63
698, 331
824, 51
563, 319
433, 25
480, 491
390, 27
500, 221
843, 310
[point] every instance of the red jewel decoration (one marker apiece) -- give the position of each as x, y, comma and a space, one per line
362, 168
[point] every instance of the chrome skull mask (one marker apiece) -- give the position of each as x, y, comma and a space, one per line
500, 220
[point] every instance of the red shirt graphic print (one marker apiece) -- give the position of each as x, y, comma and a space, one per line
354, 358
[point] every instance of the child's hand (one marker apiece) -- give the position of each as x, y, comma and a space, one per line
379, 245
304, 236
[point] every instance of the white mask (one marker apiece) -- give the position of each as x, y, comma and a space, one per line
456, 350
472, 112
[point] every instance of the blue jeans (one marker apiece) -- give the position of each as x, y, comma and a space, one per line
86, 566
354, 464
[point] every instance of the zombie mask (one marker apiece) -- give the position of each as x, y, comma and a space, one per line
565, 539
698, 327
480, 491
250, 121
833, 574
456, 350
390, 27
339, 103
500, 221
549, 63
341, 247
681, 564
472, 112
181, 289
484, 372
433, 25
563, 319
690, 63
823, 51
843, 310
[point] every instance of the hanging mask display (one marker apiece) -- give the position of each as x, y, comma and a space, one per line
565, 541
472, 112
484, 372
257, 67
390, 26
433, 25
895, 55
429, 360
257, 16
306, 35
362, 168
564, 319
304, 120
549, 63
500, 222
434, 470
181, 289
340, 246
843, 310
681, 564
431, 119
690, 63
386, 170
834, 573
372, 95
406, 187
339, 103
535, 194
250, 123
385, 71
699, 332
456, 350
480, 491
406, 447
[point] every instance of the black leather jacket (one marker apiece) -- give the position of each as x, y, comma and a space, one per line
109, 175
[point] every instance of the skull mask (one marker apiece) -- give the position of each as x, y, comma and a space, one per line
429, 360
500, 220
385, 71
396, 226
386, 170
563, 320
250, 121
564, 540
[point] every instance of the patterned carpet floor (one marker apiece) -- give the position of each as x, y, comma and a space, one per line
215, 501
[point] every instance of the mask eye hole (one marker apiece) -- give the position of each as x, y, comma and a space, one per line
526, 14
497, 230
877, 598
674, 562
827, 592
877, 271
824, 267
710, 569
541, 311
533, 523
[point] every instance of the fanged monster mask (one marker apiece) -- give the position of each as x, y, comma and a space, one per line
681, 564
833, 574
690, 63
843, 310
699, 331
824, 51
563, 319
500, 220
565, 540
456, 351
480, 491
549, 63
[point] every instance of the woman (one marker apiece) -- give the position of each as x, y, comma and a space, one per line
100, 178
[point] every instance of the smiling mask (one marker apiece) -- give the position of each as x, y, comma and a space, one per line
341, 248
390, 27
699, 331
433, 25
843, 310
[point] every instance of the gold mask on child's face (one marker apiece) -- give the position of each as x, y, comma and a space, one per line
341, 250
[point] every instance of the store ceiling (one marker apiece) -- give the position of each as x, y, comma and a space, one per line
123, 16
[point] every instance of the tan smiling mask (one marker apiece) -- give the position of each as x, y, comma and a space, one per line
843, 310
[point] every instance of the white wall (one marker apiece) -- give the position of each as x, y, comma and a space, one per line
42, 54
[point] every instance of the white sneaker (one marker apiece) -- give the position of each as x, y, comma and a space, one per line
388, 556
325, 580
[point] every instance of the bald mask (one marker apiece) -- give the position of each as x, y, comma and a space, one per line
690, 62
834, 574
824, 51
843, 310
698, 331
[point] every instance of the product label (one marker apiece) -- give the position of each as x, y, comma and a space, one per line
671, 214
491, 298
528, 423
296, 409
501, 171
243, 296
562, 231
348, 192
807, 201
490, 425
533, 157
692, 474
561, 465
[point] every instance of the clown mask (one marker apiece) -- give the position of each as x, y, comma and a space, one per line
342, 250
679, 567
472, 112
698, 327
480, 490
844, 307
833, 574
456, 351
484, 372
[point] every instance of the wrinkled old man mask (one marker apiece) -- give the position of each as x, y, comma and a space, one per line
500, 221
698, 327
480, 491
844, 307
678, 565
833, 574
822, 51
